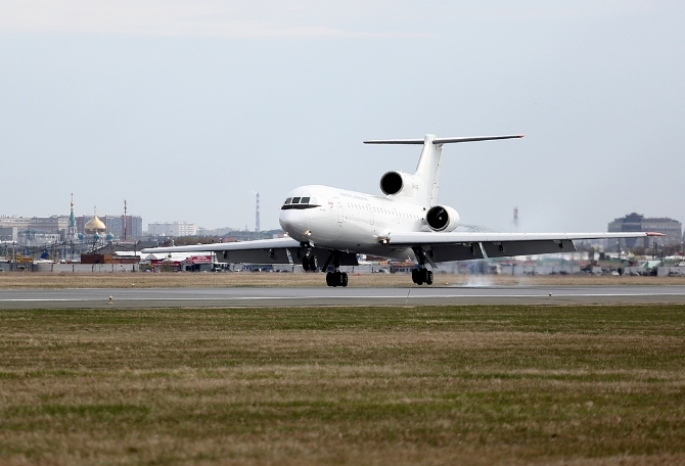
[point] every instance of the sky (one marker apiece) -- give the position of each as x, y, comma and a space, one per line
187, 108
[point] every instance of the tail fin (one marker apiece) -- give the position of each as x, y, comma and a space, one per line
428, 169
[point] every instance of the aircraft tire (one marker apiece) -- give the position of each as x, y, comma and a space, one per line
310, 263
331, 279
414, 275
429, 277
343, 279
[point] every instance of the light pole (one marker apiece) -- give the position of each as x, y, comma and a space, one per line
135, 256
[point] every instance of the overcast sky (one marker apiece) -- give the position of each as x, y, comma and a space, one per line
187, 108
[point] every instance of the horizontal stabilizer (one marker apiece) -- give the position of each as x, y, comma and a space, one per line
442, 140
476, 138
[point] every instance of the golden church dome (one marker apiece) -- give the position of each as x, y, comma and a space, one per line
95, 225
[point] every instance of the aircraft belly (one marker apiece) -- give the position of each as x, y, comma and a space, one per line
322, 255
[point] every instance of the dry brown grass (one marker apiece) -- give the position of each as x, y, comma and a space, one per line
211, 280
477, 385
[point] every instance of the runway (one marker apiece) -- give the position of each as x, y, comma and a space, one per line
87, 298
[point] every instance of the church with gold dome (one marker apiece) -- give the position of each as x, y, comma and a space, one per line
95, 226
95, 232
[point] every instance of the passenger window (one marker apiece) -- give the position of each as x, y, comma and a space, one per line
296, 200
304, 200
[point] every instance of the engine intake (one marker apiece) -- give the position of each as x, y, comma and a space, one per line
391, 183
442, 218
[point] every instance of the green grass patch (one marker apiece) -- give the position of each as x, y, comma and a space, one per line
482, 384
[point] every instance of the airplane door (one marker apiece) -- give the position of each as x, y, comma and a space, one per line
370, 209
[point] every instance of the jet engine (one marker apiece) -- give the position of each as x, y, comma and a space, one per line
442, 218
393, 183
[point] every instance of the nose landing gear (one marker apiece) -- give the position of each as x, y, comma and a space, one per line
335, 278
309, 262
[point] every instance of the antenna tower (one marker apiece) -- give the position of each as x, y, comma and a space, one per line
72, 220
125, 218
516, 217
257, 227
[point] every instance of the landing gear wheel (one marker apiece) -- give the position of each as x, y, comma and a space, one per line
421, 276
310, 263
336, 279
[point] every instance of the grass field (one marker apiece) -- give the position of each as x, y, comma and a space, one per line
445, 385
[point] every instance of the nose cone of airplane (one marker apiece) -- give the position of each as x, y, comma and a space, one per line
295, 223
299, 211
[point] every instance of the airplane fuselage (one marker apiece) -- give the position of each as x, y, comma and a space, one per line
343, 220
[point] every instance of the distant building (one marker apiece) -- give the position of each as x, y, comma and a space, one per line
11, 226
70, 225
214, 232
129, 226
133, 225
172, 229
115, 225
672, 229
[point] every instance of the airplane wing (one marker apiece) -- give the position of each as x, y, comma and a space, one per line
443, 247
263, 251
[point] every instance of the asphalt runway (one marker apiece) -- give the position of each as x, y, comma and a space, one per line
81, 298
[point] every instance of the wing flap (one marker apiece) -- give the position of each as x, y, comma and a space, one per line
456, 252
265, 244
427, 238
526, 248
266, 251
444, 247
254, 256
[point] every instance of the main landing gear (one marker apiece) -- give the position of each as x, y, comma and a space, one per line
336, 279
422, 274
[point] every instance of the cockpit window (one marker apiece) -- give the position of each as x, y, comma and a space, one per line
300, 203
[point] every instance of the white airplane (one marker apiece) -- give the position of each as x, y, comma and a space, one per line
331, 226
